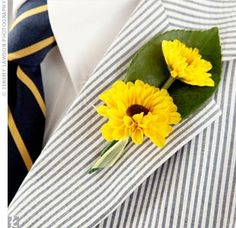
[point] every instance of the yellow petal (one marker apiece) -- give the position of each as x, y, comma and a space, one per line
128, 121
102, 110
209, 82
137, 136
174, 118
119, 85
164, 129
158, 140
138, 118
120, 133
139, 83
107, 132
116, 123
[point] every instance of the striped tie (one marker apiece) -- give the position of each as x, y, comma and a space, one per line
30, 39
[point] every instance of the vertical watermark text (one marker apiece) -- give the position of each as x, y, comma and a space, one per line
3, 112
3, 52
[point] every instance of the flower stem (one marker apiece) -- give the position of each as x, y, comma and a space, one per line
168, 83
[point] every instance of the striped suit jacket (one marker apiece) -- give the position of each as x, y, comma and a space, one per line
189, 183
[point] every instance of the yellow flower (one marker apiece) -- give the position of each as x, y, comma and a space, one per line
137, 110
186, 64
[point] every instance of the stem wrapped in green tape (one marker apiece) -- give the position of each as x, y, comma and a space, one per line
111, 155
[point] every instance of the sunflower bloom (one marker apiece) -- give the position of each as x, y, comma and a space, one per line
186, 64
137, 110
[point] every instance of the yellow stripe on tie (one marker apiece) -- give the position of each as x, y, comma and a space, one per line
32, 87
29, 13
19, 141
31, 49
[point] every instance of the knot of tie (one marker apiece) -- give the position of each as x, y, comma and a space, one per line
30, 36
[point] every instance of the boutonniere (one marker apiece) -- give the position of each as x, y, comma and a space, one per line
168, 80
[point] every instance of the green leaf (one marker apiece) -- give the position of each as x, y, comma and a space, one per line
149, 66
110, 156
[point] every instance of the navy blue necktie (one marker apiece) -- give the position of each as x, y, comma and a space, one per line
30, 39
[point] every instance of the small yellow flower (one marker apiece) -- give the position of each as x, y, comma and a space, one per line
137, 110
186, 64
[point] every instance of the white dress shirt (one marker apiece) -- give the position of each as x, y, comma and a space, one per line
83, 31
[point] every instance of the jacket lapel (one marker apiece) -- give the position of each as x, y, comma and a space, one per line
58, 191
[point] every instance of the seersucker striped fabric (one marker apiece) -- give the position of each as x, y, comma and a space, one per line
197, 186
184, 191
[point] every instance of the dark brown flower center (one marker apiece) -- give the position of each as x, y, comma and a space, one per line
136, 109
